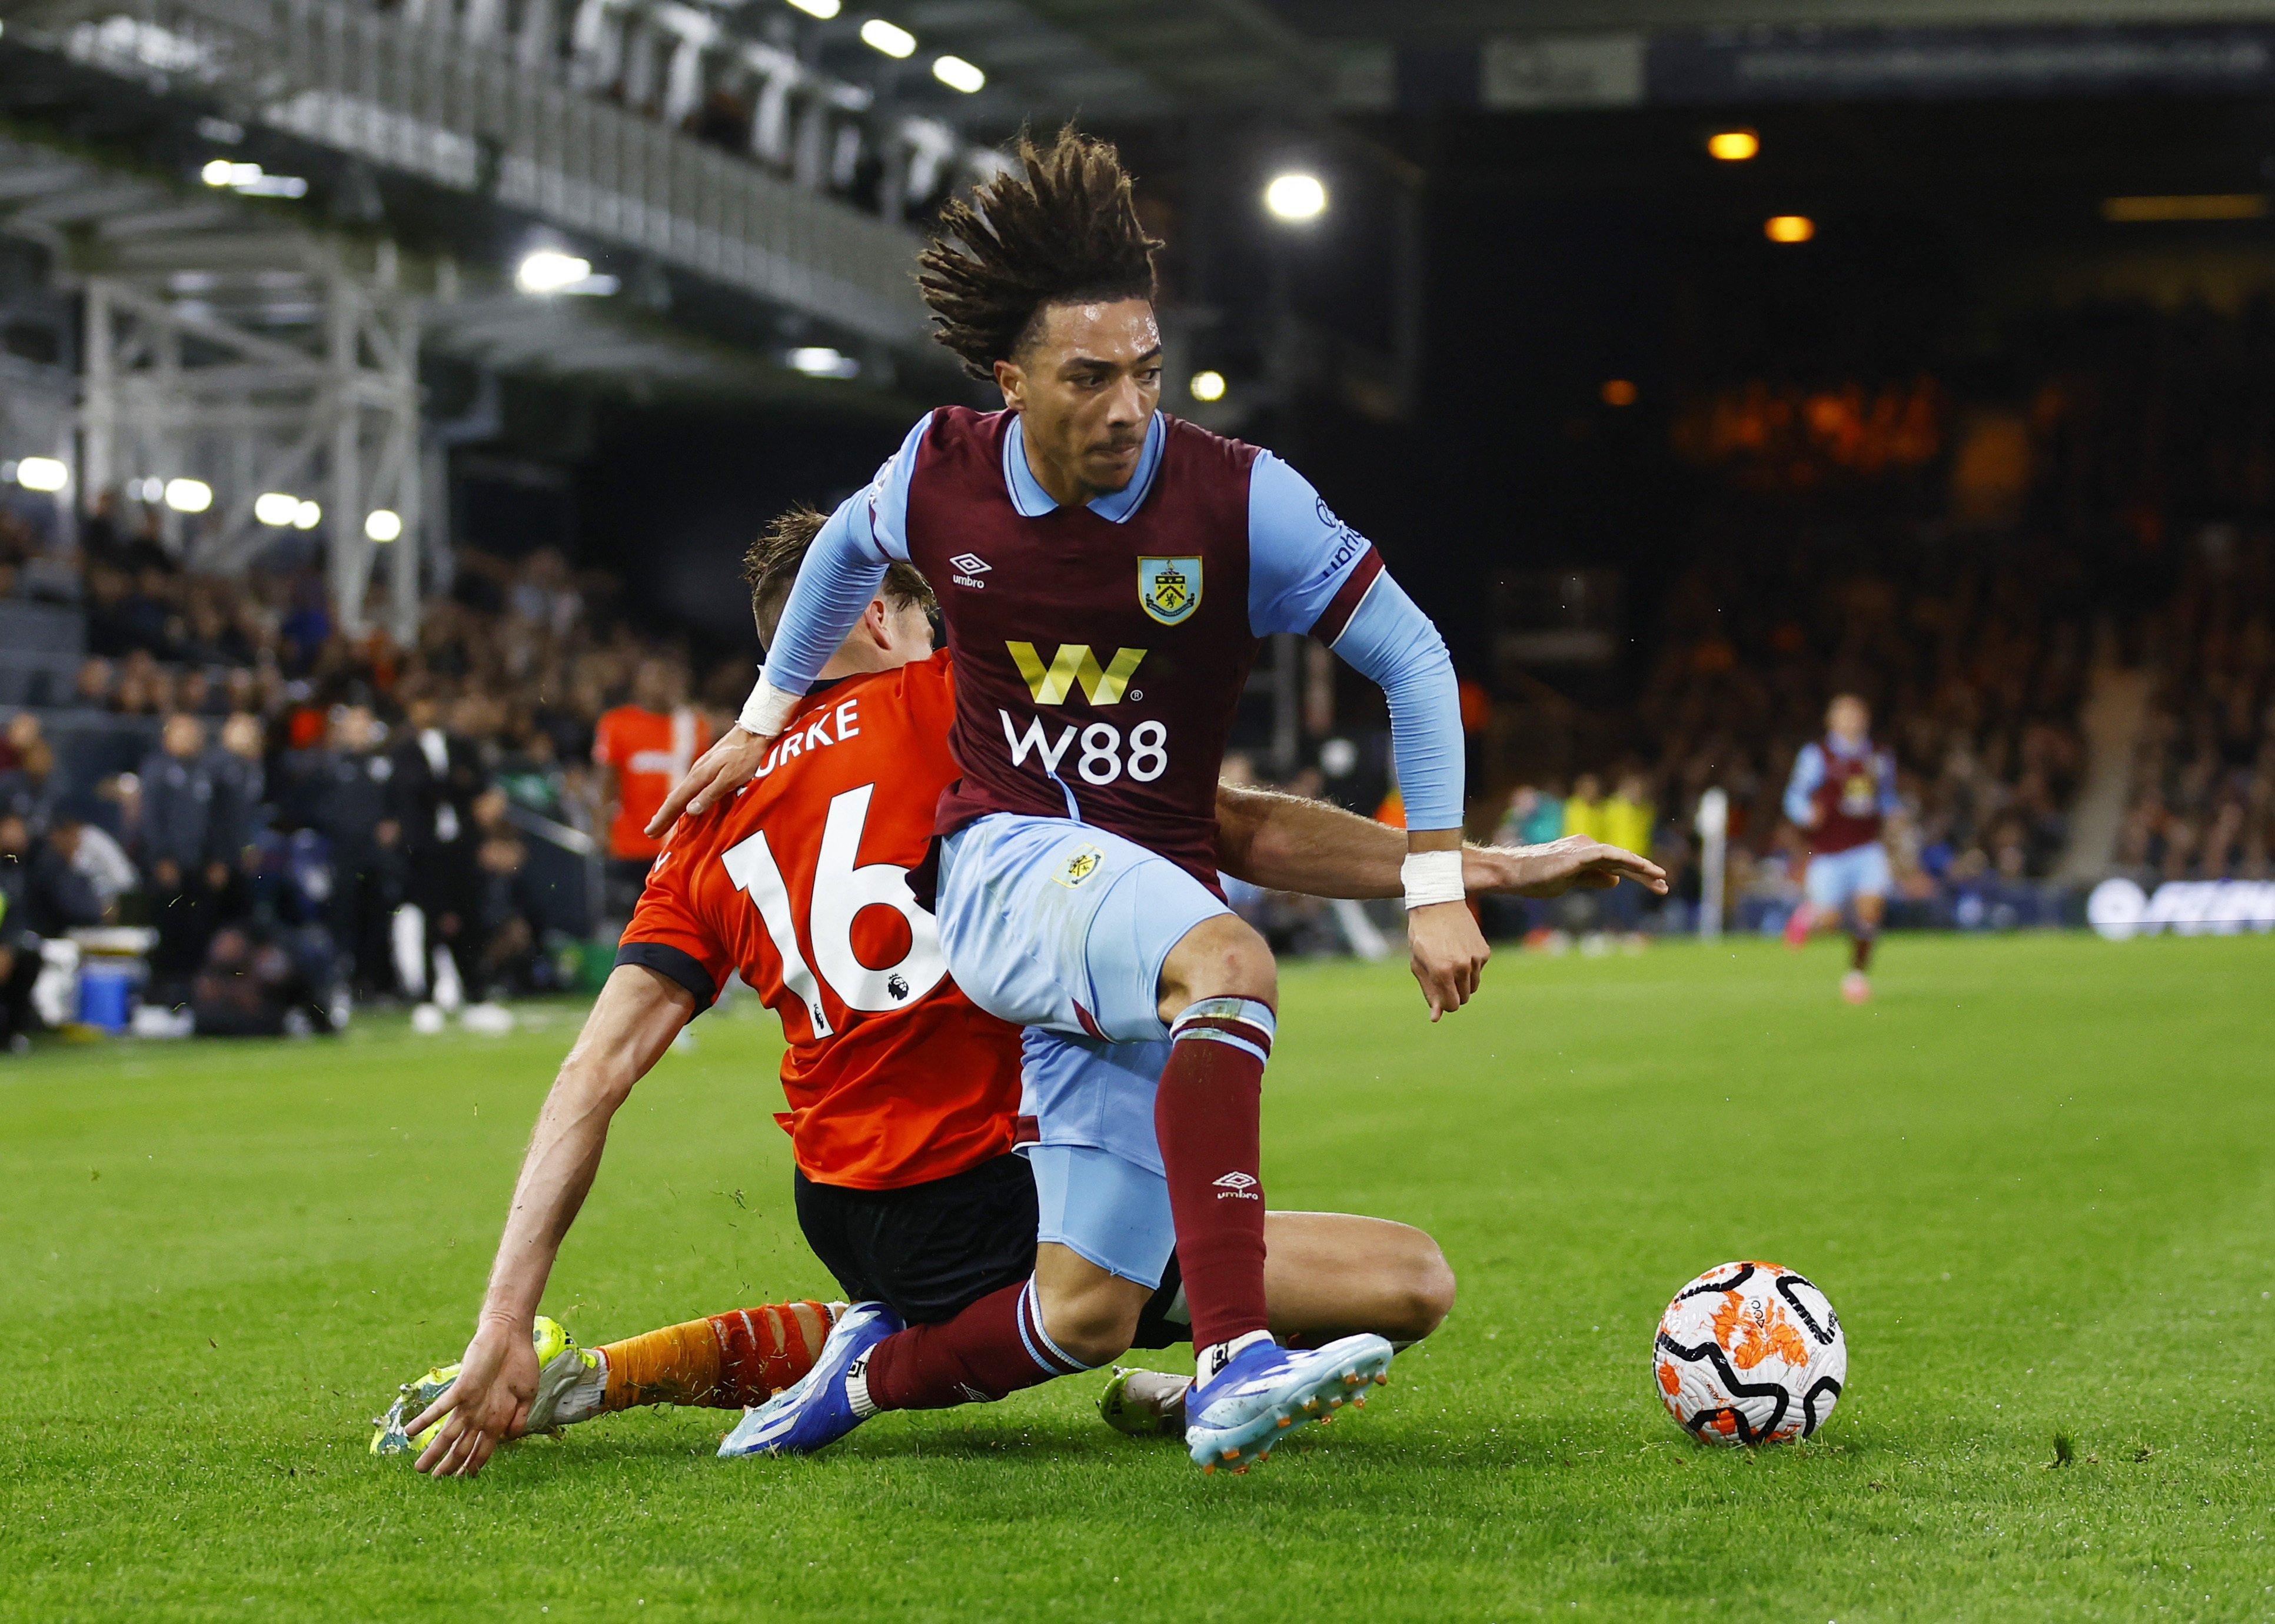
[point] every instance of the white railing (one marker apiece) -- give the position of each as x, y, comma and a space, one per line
423, 98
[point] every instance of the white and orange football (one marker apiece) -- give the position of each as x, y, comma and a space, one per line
1749, 1353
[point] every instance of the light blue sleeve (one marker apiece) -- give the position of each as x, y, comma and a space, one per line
1891, 802
1299, 553
1300, 556
1800, 789
842, 571
1393, 642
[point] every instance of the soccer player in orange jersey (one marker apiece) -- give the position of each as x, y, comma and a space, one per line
641, 749
905, 1096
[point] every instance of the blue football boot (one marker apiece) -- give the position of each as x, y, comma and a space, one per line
1234, 1417
817, 1410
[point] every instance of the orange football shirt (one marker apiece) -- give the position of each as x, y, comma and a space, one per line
650, 751
894, 1076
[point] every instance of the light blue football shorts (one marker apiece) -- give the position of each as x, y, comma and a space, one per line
1837, 878
1051, 923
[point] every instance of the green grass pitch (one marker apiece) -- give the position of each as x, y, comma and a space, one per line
2036, 1177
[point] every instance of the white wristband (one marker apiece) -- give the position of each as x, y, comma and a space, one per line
1431, 877
767, 709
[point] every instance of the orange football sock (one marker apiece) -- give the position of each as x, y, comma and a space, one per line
725, 1362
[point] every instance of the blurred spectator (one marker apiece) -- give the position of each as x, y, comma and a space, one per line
505, 927
642, 749
23, 732
1534, 818
177, 837
28, 789
435, 778
40, 896
93, 853
342, 790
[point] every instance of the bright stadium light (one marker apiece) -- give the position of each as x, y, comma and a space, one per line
307, 515
274, 507
823, 9
821, 361
382, 525
890, 38
42, 473
1619, 392
1295, 197
222, 172
1207, 386
188, 495
1732, 146
1788, 228
549, 270
958, 74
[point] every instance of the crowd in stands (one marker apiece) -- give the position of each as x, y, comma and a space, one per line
303, 818
2202, 804
301, 815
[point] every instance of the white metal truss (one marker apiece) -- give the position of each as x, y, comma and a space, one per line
188, 375
417, 91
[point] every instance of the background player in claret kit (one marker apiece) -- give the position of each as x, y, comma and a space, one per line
905, 1097
1840, 796
1106, 573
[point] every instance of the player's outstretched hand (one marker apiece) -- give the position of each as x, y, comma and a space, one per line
1573, 863
717, 773
1449, 954
497, 1380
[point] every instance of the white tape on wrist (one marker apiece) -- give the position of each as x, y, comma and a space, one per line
767, 709
1431, 877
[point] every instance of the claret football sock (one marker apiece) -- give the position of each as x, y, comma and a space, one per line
726, 1362
1206, 1115
1860, 952
994, 1348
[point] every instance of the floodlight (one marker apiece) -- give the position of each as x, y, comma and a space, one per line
549, 270
958, 74
1207, 386
1788, 228
1619, 392
1734, 145
889, 38
1295, 197
42, 473
188, 495
307, 515
222, 172
382, 525
275, 508
821, 361
823, 9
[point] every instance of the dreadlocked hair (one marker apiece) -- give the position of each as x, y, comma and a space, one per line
770, 568
1058, 229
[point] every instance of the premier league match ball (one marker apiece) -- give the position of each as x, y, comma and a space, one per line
1749, 1353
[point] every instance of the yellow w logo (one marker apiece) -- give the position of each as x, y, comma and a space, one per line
1075, 663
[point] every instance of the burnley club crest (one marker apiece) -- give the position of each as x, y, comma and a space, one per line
1169, 589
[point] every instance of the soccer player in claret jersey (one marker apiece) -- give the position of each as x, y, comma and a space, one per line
905, 1098
1841, 794
1105, 573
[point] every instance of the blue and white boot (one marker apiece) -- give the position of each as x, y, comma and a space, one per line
1233, 1418
829, 1401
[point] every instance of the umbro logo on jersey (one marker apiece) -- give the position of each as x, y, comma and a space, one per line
1073, 665
1239, 1184
967, 565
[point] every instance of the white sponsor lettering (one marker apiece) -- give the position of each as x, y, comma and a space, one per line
2120, 909
1034, 740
